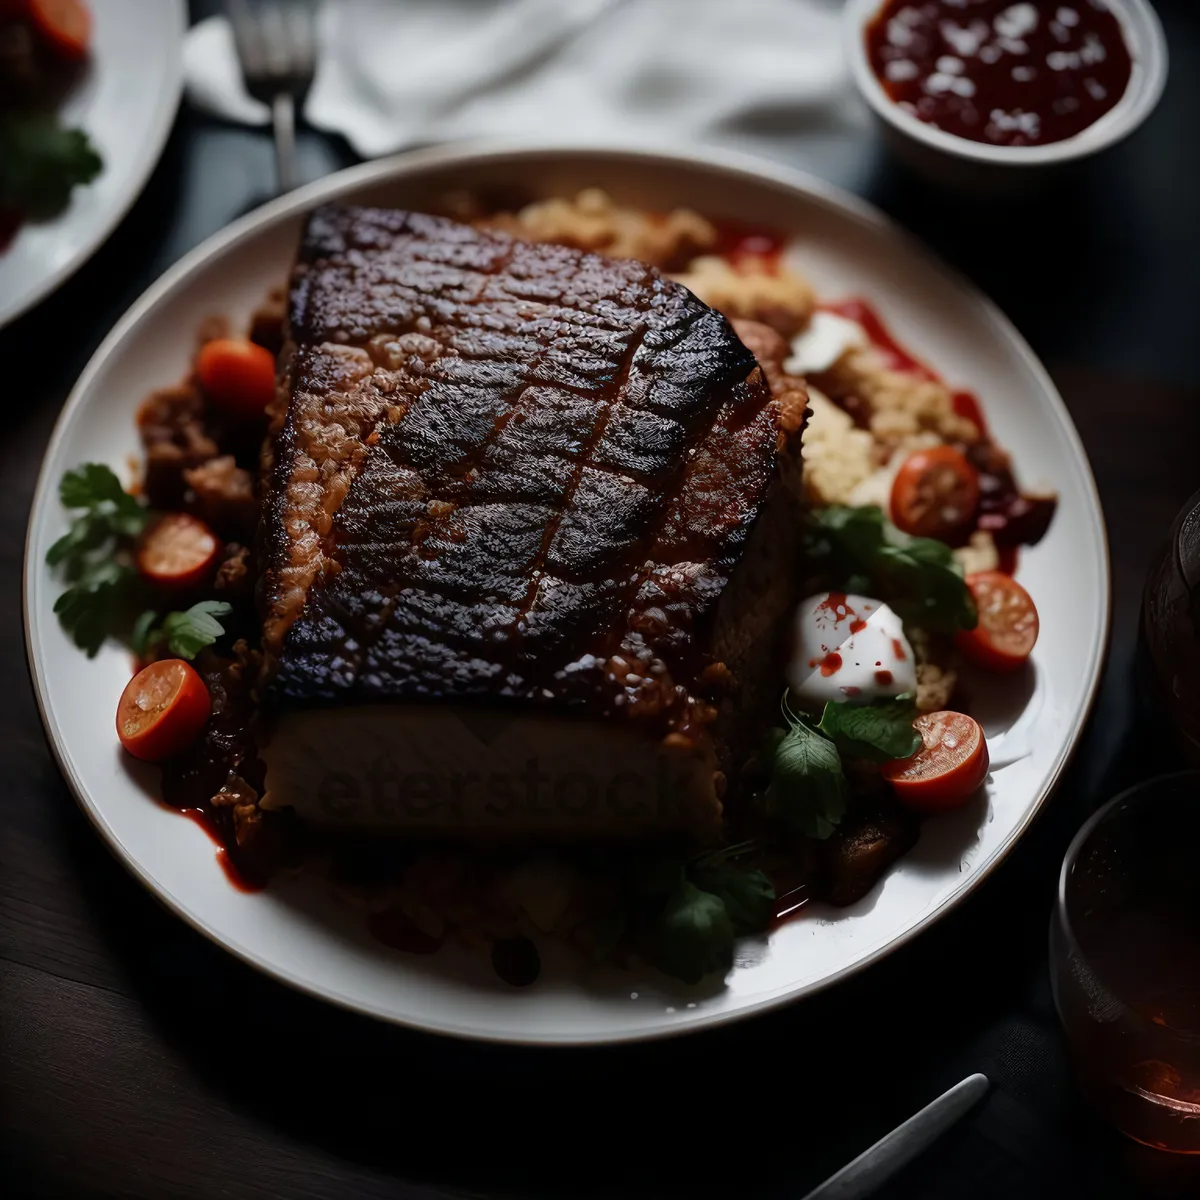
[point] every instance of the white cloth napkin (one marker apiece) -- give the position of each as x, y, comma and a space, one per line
396, 73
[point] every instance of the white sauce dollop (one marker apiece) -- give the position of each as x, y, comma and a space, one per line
822, 342
850, 649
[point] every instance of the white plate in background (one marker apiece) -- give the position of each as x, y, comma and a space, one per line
125, 100
299, 935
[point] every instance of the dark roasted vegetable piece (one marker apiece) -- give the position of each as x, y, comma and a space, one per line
850, 863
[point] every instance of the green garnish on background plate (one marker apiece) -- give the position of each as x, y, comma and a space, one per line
41, 161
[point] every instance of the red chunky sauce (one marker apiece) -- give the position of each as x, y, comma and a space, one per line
1010, 74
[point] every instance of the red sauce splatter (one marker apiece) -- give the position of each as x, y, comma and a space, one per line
237, 875
835, 604
394, 929
898, 649
851, 691
831, 664
753, 246
884, 678
880, 336
857, 625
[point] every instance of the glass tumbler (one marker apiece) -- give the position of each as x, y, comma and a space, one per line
1125, 961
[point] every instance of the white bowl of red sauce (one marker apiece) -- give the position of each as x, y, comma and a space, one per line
976, 90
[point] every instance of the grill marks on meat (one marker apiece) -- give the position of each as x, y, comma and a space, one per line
502, 469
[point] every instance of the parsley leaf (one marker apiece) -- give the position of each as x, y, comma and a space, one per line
807, 789
92, 554
187, 633
40, 162
746, 892
110, 509
694, 935
918, 577
877, 732
87, 610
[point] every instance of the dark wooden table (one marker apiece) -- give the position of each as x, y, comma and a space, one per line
136, 1059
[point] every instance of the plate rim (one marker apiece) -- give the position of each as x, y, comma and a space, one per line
154, 144
397, 166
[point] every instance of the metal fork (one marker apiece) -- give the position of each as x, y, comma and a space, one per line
277, 48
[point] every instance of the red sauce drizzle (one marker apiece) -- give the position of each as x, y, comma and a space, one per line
831, 664
966, 404
880, 336
857, 625
999, 72
883, 678
898, 649
749, 245
237, 875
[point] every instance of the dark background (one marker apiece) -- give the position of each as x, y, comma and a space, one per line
137, 1059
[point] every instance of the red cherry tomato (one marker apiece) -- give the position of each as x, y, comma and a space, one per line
951, 763
238, 375
162, 710
1008, 623
64, 25
178, 551
935, 493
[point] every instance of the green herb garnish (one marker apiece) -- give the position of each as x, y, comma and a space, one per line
694, 934
808, 789
747, 894
40, 162
918, 577
184, 633
92, 554
687, 915
187, 633
877, 732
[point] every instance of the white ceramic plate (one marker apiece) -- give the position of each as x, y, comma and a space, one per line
306, 939
126, 102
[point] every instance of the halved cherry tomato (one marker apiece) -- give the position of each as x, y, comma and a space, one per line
238, 375
64, 25
162, 710
1008, 622
935, 493
951, 764
177, 551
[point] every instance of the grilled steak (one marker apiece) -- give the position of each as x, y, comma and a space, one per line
526, 562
